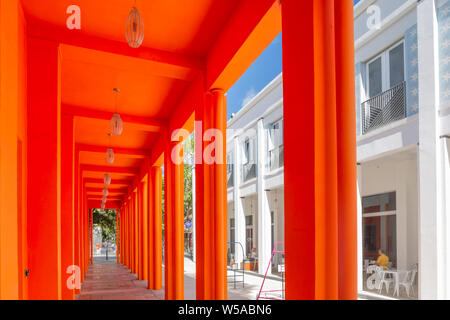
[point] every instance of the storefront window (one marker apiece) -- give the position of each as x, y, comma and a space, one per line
380, 227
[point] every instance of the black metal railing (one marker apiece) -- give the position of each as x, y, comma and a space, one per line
384, 108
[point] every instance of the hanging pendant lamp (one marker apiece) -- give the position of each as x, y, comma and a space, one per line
107, 179
116, 121
109, 152
105, 192
110, 156
134, 31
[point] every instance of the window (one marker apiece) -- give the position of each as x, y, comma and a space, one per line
249, 234
230, 170
232, 235
380, 226
386, 70
249, 159
275, 145
379, 203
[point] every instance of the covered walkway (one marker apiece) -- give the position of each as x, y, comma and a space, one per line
106, 280
70, 140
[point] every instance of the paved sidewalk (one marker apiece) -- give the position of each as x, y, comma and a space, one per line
106, 280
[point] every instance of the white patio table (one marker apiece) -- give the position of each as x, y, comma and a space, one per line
395, 273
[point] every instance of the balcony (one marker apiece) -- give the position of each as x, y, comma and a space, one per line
248, 171
276, 158
230, 175
384, 108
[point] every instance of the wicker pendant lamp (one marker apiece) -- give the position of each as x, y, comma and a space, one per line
116, 122
134, 30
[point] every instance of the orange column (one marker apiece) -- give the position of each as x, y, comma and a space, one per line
117, 237
91, 212
81, 228
156, 250
136, 232
151, 228
200, 201
122, 235
77, 231
347, 177
174, 221
67, 203
144, 229
168, 225
139, 225
130, 234
44, 169
211, 198
220, 196
314, 231
11, 33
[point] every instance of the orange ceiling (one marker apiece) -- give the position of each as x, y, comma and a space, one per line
184, 29
181, 26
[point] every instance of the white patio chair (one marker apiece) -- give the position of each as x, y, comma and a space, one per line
386, 281
373, 281
406, 280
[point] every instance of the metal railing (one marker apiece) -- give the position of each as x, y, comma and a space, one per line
248, 171
230, 175
384, 108
276, 158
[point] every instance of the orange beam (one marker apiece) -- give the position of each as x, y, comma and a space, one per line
108, 169
135, 122
113, 189
134, 153
251, 28
114, 182
175, 63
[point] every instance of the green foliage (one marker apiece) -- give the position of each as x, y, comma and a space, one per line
189, 148
107, 221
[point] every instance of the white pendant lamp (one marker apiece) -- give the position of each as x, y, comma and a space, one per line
107, 179
105, 192
110, 156
134, 31
116, 121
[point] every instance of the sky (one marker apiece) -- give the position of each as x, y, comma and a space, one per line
258, 75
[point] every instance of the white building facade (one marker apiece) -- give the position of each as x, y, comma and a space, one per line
402, 74
255, 171
402, 53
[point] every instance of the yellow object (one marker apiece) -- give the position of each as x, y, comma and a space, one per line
383, 261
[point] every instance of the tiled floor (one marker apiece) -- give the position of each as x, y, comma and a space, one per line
106, 280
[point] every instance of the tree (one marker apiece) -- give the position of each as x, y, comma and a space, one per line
107, 221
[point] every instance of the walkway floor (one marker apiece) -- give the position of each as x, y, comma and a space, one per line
106, 280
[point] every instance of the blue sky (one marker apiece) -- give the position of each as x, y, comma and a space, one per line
258, 75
